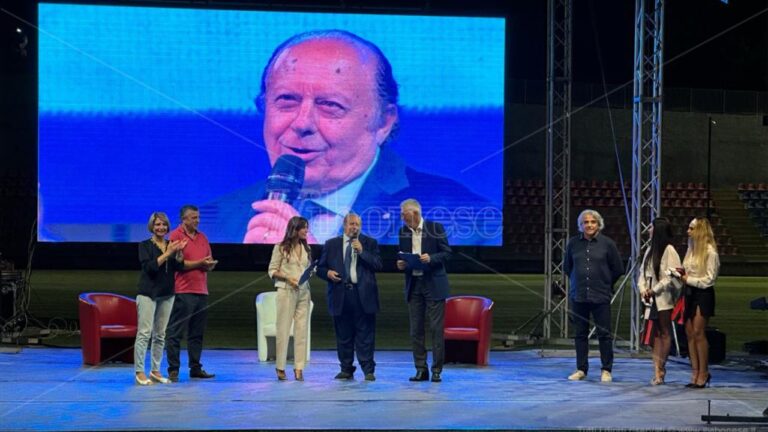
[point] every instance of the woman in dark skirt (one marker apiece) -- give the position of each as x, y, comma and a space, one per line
702, 265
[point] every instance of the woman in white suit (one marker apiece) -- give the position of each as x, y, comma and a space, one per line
290, 258
659, 289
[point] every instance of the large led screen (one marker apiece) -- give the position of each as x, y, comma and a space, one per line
257, 116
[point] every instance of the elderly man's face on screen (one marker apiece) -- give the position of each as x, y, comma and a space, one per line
321, 105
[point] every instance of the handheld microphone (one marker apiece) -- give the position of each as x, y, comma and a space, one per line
286, 179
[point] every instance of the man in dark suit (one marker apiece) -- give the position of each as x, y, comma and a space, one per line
349, 263
426, 285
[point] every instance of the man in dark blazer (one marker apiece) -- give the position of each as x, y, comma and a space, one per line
426, 285
349, 263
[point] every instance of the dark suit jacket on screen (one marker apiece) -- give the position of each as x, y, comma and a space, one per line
390, 182
368, 262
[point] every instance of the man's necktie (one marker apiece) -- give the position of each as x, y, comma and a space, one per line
348, 263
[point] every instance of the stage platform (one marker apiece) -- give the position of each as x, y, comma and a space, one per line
49, 389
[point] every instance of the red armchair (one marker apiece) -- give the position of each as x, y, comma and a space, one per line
108, 324
468, 327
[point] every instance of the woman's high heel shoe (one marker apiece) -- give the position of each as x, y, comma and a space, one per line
280, 375
693, 380
158, 378
298, 374
705, 383
143, 382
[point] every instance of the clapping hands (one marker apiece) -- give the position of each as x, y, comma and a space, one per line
176, 247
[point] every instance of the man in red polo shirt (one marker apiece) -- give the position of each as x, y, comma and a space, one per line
190, 306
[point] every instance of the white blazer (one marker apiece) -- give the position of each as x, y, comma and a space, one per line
293, 265
664, 288
702, 278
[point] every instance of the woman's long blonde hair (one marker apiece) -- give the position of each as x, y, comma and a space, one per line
701, 237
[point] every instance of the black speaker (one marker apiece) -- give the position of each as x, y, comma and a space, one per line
758, 347
11, 284
716, 340
715, 337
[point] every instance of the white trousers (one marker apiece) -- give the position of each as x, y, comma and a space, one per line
292, 308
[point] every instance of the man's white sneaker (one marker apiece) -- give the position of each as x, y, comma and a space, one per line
577, 376
606, 376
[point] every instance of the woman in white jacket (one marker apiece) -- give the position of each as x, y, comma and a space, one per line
290, 258
658, 287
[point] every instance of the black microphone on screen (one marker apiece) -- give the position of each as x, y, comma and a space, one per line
286, 179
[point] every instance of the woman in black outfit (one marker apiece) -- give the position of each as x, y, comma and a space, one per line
160, 259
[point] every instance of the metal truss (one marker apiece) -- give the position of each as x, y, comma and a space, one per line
558, 170
646, 139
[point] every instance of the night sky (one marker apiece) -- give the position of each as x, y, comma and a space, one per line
603, 42
603, 36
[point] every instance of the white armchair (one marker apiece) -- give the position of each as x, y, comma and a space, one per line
266, 318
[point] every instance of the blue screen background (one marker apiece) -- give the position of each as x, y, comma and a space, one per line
144, 109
